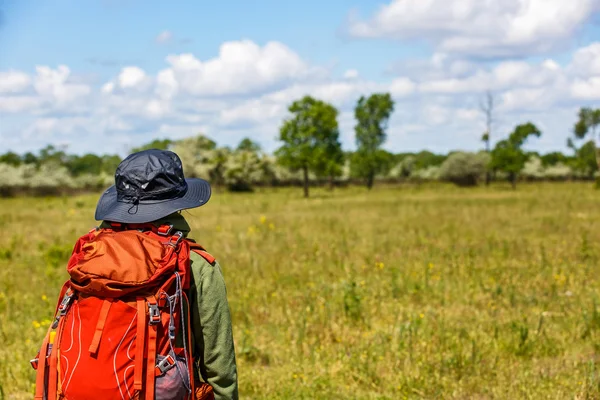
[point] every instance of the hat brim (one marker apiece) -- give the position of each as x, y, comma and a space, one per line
110, 209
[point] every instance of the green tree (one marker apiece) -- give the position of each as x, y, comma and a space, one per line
425, 159
160, 144
52, 155
588, 121
30, 158
11, 158
310, 139
553, 158
86, 164
249, 145
372, 115
584, 162
508, 155
110, 162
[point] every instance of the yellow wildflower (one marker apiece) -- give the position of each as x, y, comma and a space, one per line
36, 324
271, 226
263, 219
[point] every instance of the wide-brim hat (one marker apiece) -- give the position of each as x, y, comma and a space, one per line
150, 185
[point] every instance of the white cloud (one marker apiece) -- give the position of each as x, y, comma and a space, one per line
586, 61
586, 89
54, 86
246, 89
14, 81
108, 87
479, 28
351, 74
241, 67
402, 87
164, 37
131, 77
17, 104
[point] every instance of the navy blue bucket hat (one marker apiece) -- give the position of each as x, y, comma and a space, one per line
150, 185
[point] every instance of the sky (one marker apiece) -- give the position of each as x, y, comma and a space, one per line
104, 76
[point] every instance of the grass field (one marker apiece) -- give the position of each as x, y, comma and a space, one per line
412, 292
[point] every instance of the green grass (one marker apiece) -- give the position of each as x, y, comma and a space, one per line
412, 292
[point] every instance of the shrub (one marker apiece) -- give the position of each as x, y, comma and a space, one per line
464, 169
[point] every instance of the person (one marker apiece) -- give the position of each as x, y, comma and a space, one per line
150, 187
140, 265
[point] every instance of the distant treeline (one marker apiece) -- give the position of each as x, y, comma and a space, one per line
311, 153
53, 171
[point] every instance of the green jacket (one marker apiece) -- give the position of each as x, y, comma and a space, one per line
211, 320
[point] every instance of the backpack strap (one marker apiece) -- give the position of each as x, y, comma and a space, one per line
151, 346
140, 343
201, 251
162, 230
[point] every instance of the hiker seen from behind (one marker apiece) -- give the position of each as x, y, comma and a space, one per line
144, 314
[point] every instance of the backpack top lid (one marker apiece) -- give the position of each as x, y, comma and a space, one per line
110, 263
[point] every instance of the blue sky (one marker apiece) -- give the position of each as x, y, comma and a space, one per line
105, 75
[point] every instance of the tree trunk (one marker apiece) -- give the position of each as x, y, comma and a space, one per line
305, 170
370, 180
488, 174
331, 182
597, 162
513, 180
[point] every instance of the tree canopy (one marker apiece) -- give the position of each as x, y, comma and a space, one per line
508, 155
372, 115
310, 139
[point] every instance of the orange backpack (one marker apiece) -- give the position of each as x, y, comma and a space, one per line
122, 328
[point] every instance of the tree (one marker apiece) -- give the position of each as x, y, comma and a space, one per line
588, 121
249, 145
310, 139
11, 158
508, 155
53, 155
30, 158
243, 169
197, 155
553, 158
487, 107
372, 115
86, 164
160, 144
584, 162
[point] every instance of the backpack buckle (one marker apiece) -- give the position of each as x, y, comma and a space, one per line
164, 230
154, 313
165, 365
63, 308
34, 363
174, 243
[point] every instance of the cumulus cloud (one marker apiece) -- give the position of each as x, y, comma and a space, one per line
351, 74
241, 67
478, 28
49, 90
164, 37
14, 81
246, 89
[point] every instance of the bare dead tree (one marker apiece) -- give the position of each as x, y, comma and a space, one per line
487, 107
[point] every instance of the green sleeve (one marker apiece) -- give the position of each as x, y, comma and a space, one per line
211, 326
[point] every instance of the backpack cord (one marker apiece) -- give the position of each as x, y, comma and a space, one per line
172, 304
